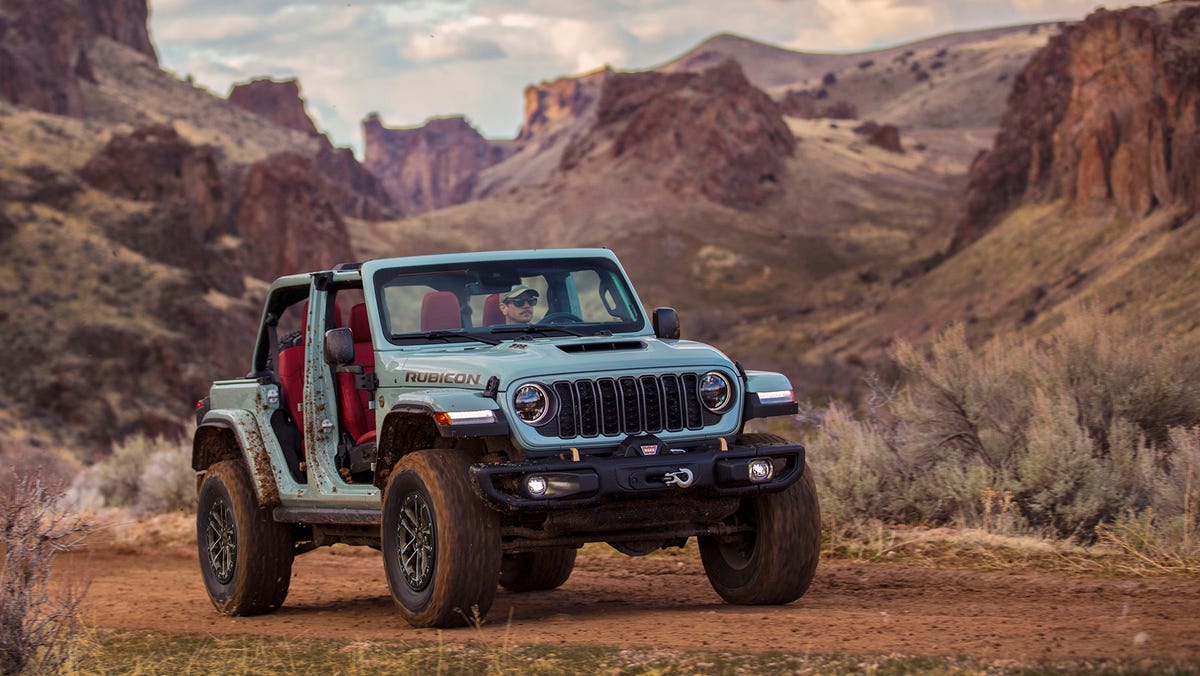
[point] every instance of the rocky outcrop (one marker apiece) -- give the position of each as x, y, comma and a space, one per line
286, 220
122, 20
1106, 116
279, 210
44, 47
431, 166
355, 191
277, 100
711, 133
558, 103
807, 104
886, 136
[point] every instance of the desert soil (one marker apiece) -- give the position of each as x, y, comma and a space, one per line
665, 602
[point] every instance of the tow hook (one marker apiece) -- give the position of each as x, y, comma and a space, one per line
680, 479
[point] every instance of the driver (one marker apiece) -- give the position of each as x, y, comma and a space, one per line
517, 305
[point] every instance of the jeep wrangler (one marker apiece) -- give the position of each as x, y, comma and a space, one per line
478, 417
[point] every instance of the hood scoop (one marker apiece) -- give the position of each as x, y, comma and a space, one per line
608, 346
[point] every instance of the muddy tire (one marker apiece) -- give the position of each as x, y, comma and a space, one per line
441, 543
537, 571
774, 563
245, 556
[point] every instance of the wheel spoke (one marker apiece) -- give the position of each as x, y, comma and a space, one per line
415, 541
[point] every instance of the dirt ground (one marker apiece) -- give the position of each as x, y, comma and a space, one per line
665, 602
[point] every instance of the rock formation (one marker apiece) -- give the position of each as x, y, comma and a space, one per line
44, 47
557, 103
1107, 115
286, 219
711, 132
886, 136
354, 190
431, 166
276, 100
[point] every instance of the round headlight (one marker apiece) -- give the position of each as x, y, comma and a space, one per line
715, 391
532, 403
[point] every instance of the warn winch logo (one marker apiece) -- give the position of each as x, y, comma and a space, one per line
449, 378
650, 449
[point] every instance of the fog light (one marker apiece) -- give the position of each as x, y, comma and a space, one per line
761, 470
536, 485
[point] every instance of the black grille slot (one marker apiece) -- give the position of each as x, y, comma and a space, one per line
672, 403
566, 410
629, 405
651, 404
691, 401
586, 394
610, 407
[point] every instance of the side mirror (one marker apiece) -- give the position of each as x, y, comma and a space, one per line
666, 323
339, 347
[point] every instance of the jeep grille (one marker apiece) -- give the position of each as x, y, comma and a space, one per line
628, 405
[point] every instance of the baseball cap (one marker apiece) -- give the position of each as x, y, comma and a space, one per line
518, 290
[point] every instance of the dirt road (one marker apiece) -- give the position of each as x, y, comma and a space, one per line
666, 602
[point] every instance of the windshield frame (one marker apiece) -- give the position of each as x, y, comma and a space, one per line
474, 278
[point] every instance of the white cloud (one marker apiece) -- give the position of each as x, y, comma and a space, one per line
414, 59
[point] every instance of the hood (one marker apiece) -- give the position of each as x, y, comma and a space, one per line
472, 365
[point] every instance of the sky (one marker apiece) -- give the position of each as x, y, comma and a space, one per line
410, 60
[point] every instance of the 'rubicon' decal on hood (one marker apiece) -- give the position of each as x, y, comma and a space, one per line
449, 377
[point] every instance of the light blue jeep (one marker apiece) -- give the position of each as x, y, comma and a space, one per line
478, 417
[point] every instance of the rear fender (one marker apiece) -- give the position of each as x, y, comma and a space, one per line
228, 434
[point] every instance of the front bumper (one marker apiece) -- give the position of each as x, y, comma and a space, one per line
592, 480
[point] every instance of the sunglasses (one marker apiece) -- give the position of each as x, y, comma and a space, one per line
522, 302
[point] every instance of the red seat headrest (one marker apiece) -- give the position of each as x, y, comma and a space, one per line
440, 310
358, 323
491, 311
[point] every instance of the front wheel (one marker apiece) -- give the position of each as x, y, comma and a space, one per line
245, 556
775, 562
441, 543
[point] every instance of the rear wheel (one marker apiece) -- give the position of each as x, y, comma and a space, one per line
538, 570
441, 543
774, 562
245, 556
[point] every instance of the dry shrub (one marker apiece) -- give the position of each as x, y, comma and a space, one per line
145, 474
1084, 427
37, 630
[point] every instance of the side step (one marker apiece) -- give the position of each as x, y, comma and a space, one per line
365, 517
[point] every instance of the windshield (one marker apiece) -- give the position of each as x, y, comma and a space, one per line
493, 301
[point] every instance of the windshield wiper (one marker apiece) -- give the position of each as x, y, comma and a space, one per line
538, 328
445, 335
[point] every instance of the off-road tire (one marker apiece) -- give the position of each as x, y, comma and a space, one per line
537, 571
245, 556
775, 563
453, 579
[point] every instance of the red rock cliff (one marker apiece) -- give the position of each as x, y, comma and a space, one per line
711, 132
427, 167
355, 191
44, 47
276, 100
1106, 116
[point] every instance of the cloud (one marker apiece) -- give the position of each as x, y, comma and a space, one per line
414, 59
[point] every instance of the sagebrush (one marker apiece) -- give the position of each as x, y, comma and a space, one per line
1070, 435
146, 474
37, 627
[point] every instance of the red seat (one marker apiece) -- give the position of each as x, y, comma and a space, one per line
440, 310
358, 418
492, 315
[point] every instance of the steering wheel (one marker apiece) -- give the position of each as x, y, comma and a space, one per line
561, 318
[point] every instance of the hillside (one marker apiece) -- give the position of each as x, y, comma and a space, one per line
140, 220
141, 216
